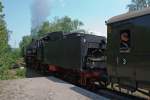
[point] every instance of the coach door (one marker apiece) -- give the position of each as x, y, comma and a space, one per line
125, 70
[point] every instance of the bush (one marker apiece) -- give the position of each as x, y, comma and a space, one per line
6, 74
7, 61
21, 73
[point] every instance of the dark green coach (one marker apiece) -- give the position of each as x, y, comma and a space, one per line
128, 49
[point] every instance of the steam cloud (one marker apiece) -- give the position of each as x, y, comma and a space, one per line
40, 10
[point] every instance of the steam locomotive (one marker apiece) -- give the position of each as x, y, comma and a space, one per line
82, 57
76, 55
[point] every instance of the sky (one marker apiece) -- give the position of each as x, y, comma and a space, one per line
93, 13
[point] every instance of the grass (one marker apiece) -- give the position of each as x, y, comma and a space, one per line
21, 73
8, 74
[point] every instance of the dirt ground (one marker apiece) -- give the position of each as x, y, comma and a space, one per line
43, 88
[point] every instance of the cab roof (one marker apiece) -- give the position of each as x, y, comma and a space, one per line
128, 15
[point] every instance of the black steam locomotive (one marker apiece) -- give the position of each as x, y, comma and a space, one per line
77, 55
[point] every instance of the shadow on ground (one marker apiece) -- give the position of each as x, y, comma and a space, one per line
86, 93
56, 80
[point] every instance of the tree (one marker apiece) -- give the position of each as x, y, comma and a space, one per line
65, 24
4, 47
45, 28
26, 40
138, 5
1, 8
8, 55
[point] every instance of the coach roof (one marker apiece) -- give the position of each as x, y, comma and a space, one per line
128, 15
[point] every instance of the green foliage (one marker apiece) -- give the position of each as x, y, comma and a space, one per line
1, 8
138, 5
6, 74
21, 73
65, 24
14, 56
45, 28
26, 40
7, 61
4, 47
8, 56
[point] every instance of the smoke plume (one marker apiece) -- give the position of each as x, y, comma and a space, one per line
40, 10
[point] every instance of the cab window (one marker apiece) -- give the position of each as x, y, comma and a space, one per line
125, 41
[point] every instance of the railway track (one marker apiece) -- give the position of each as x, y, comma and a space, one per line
116, 95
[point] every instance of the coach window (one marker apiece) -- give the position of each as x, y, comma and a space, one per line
125, 41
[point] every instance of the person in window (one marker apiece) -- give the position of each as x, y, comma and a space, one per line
124, 45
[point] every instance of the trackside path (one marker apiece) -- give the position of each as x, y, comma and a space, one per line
43, 88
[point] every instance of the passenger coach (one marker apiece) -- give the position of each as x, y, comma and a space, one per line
128, 49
